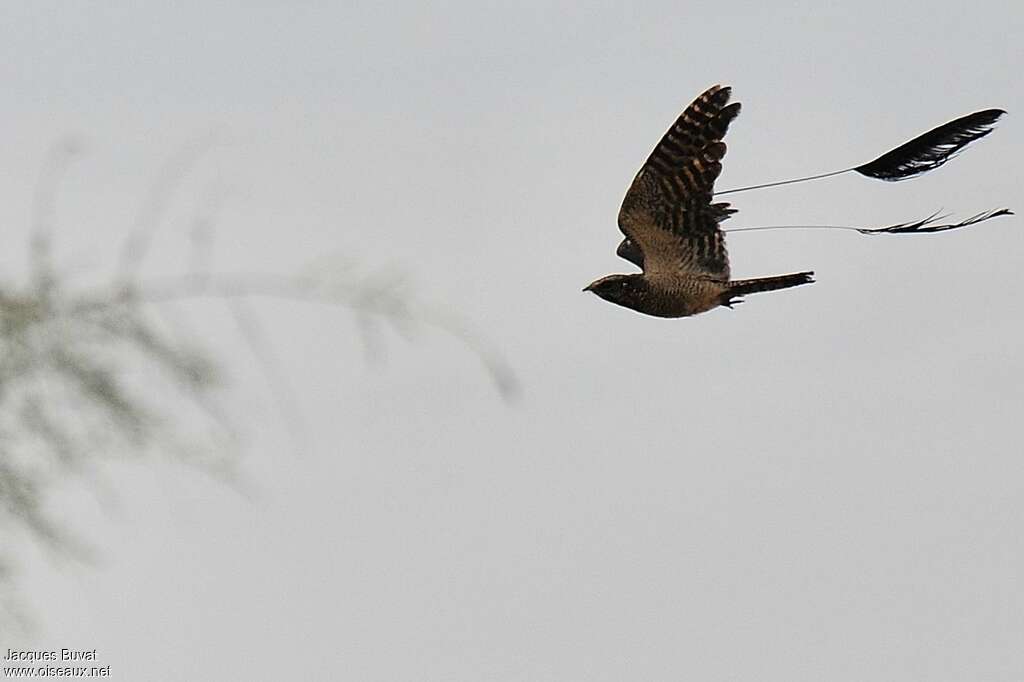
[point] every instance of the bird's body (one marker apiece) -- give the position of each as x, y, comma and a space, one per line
672, 227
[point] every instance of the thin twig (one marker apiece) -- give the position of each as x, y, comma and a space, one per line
203, 233
302, 289
263, 352
55, 164
151, 212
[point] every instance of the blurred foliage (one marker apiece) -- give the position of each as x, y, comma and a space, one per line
93, 374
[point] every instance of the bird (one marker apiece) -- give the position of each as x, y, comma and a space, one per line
672, 226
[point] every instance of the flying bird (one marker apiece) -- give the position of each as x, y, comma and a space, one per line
672, 225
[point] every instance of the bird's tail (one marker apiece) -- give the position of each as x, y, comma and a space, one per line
742, 287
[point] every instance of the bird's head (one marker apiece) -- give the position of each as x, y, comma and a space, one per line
620, 289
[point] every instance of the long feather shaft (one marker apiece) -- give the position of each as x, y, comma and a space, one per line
784, 182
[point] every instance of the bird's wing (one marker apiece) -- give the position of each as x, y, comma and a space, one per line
667, 214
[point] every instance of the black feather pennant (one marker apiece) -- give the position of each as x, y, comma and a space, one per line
929, 224
924, 153
932, 149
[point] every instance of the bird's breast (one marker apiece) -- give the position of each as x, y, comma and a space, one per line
681, 296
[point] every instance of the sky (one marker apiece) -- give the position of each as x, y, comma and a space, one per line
825, 483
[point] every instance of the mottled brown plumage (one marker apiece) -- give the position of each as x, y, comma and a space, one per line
671, 225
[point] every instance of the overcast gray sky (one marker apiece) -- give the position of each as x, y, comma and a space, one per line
824, 484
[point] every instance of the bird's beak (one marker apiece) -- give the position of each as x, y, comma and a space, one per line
589, 287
